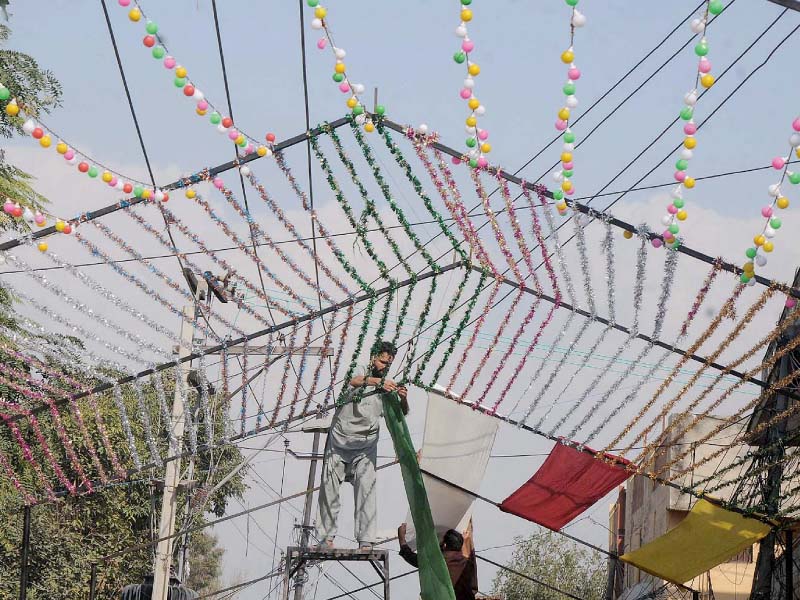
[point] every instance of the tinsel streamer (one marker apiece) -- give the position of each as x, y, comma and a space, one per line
366, 150
607, 246
289, 226
175, 222
48, 387
462, 325
179, 287
166, 414
245, 383
729, 339
326, 344
562, 265
403, 313
443, 322
583, 257
698, 302
339, 353
225, 405
348, 211
285, 376
87, 335
27, 453
253, 224
537, 232
12, 476
300, 372
379, 337
61, 431
267, 364
395, 151
638, 290
183, 395
144, 417
324, 233
725, 312
423, 317
126, 425
205, 401
369, 204
112, 297
362, 334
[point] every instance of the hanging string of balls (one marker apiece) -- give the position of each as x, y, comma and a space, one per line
676, 211
763, 241
340, 77
158, 50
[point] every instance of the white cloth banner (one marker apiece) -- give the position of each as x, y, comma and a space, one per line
456, 447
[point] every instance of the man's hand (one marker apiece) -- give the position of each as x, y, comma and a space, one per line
402, 391
389, 385
401, 534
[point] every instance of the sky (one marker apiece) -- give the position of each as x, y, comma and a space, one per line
405, 51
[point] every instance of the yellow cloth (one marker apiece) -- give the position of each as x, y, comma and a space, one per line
708, 536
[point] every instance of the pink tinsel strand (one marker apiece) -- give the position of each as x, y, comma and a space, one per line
26, 449
29, 500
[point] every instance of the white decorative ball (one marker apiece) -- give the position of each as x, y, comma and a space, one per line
774, 190
469, 83
461, 31
316, 24
687, 154
361, 119
481, 110
690, 98
698, 25
578, 18
558, 176
571, 101
358, 88
794, 140
244, 170
666, 219
769, 232
27, 214
198, 95
752, 282
676, 192
469, 129
28, 126
339, 53
761, 260
569, 147
423, 129
221, 128
159, 196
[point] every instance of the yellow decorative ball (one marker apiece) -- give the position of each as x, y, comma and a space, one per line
473, 103
566, 157
681, 215
339, 68
749, 268
261, 150
106, 176
191, 194
352, 101
759, 240
782, 202
180, 71
12, 109
563, 114
471, 121
473, 69
486, 147
768, 246
240, 139
61, 148
466, 15
797, 152
146, 194
45, 141
567, 56
688, 182
627, 234
566, 185
60, 226
369, 127
320, 12
135, 14
707, 80
42, 246
689, 143
561, 206
200, 112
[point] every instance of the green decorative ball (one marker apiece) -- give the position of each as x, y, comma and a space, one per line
158, 52
179, 82
151, 28
358, 109
215, 118
715, 7
673, 229
473, 162
687, 113
793, 177
471, 142
138, 191
568, 173
751, 252
701, 49
775, 223
459, 57
676, 244
681, 164
558, 195
5, 93
380, 110
92, 172
744, 278
569, 137
572, 2
338, 77
568, 89
678, 202
243, 143
312, 3
466, 2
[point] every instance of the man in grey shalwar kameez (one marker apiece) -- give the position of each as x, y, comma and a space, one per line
352, 449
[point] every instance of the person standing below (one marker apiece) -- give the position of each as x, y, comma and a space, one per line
351, 450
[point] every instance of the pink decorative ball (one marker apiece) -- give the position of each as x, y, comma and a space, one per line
666, 234
249, 149
690, 129
568, 166
679, 175
344, 87
672, 209
233, 134
113, 181
561, 125
468, 46
218, 183
466, 93
766, 212
791, 302
39, 218
321, 43
482, 162
69, 154
656, 243
124, 2
778, 162
169, 62
8, 206
574, 73
570, 191
202, 105
704, 66
456, 160
796, 124
483, 134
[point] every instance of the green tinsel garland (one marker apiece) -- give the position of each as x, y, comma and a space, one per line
362, 334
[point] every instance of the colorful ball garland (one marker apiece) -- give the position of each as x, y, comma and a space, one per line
353, 90
763, 240
477, 139
676, 211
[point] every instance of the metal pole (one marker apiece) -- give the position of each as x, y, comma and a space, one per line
166, 525
26, 543
788, 555
93, 581
695, 595
312, 476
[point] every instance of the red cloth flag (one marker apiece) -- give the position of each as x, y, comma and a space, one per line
568, 483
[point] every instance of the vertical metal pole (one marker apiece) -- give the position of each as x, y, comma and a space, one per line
312, 476
612, 571
26, 543
695, 595
788, 555
93, 581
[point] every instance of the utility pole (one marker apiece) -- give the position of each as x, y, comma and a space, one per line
305, 527
26, 543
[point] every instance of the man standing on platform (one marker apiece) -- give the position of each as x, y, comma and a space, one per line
351, 451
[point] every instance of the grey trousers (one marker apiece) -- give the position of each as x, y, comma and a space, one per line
357, 467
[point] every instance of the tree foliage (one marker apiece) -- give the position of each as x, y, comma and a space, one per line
557, 561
